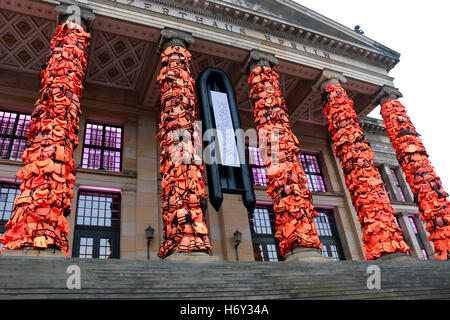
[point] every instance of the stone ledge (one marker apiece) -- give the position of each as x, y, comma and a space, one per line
44, 253
303, 254
192, 257
396, 256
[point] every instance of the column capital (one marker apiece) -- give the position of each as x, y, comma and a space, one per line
175, 37
257, 58
384, 94
328, 77
74, 11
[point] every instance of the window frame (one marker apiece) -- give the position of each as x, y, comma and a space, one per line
13, 137
412, 219
322, 169
386, 185
102, 148
334, 239
16, 187
98, 232
264, 239
398, 185
256, 166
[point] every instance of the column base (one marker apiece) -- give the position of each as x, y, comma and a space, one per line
396, 256
31, 252
192, 257
303, 254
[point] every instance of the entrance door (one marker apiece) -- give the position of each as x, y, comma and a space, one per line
262, 225
97, 230
328, 234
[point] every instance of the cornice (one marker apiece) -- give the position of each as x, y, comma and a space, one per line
373, 53
250, 19
373, 125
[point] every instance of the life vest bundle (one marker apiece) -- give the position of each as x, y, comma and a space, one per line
426, 186
381, 234
287, 181
183, 191
48, 173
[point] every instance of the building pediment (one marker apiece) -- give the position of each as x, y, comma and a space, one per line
299, 15
311, 27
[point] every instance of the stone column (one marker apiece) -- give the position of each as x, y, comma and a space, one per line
183, 191
295, 227
39, 216
381, 235
147, 208
430, 196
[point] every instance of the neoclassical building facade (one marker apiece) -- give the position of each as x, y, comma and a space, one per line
125, 75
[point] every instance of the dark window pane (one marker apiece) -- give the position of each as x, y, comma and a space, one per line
23, 125
13, 131
397, 185
412, 221
96, 209
7, 121
105, 249
257, 166
311, 166
86, 247
328, 235
8, 193
4, 147
262, 220
102, 147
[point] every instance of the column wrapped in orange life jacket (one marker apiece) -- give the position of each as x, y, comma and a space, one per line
287, 181
48, 174
381, 235
426, 186
183, 190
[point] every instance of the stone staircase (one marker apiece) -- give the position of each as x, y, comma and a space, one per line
46, 278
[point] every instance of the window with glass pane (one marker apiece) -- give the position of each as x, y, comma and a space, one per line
8, 193
257, 166
268, 252
98, 209
328, 234
412, 221
97, 229
102, 147
86, 247
397, 184
404, 238
311, 166
105, 249
262, 226
263, 220
13, 134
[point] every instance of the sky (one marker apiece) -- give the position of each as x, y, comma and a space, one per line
419, 32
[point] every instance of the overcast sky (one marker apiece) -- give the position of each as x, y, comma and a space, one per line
418, 30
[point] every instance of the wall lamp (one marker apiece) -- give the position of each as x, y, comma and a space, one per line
149, 233
237, 241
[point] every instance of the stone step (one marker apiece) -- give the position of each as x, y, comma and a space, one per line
34, 278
